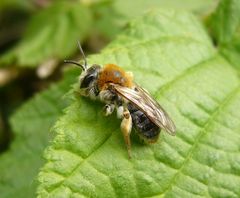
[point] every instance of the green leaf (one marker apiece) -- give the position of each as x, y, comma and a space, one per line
224, 27
137, 7
170, 55
31, 123
25, 4
232, 53
51, 34
112, 16
2, 137
225, 21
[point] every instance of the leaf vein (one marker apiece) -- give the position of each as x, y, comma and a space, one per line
201, 134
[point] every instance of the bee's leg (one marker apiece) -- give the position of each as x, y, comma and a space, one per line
120, 112
108, 109
126, 127
107, 95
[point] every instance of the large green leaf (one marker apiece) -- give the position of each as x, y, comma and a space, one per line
31, 123
171, 55
51, 34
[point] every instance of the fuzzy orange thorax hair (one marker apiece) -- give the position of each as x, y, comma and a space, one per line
113, 74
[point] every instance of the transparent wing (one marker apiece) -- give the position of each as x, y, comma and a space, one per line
148, 105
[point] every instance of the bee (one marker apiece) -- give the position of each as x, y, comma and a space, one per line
133, 104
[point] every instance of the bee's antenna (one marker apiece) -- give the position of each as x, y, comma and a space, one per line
84, 67
75, 63
84, 57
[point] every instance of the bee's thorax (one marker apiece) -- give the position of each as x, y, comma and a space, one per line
114, 74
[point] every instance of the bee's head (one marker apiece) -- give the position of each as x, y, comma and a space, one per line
89, 76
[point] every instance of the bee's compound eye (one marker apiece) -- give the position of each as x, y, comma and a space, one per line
87, 80
91, 75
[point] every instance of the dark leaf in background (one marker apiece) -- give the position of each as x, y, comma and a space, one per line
224, 26
31, 124
51, 34
225, 21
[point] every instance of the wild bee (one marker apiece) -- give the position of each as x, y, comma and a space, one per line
133, 104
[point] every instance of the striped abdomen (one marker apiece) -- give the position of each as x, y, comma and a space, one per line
146, 129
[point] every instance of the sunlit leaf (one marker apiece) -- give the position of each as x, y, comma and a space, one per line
170, 55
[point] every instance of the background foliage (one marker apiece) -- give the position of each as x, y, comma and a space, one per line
189, 49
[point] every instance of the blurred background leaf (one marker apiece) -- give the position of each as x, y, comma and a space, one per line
112, 15
225, 21
224, 27
134, 8
50, 35
61, 23
31, 124
24, 4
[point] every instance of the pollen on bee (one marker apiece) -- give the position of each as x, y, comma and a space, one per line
113, 74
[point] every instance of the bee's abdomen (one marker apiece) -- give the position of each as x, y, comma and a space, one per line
144, 126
